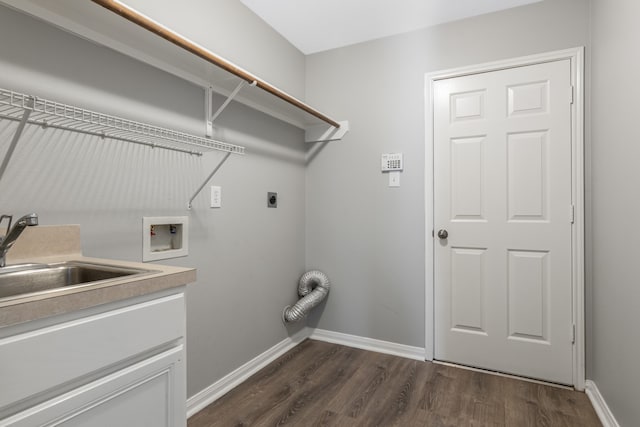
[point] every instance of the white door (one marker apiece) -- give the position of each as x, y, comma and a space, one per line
502, 193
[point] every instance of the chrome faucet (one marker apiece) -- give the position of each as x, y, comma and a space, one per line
13, 233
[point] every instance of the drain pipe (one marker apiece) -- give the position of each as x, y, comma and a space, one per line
312, 288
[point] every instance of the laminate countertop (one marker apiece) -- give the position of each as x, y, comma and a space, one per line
53, 244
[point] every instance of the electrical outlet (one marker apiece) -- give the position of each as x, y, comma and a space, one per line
216, 196
272, 200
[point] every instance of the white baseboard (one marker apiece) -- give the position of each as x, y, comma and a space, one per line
416, 353
210, 394
600, 405
216, 390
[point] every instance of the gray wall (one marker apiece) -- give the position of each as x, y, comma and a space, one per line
616, 150
231, 30
248, 257
369, 238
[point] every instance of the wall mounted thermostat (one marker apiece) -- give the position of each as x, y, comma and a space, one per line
392, 162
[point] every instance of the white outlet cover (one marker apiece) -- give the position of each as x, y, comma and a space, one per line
394, 179
216, 196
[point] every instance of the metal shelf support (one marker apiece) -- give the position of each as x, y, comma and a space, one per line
229, 99
326, 133
132, 15
208, 108
211, 117
224, 159
28, 108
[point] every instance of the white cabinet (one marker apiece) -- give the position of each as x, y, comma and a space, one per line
121, 364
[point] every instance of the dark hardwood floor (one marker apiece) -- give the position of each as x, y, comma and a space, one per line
322, 384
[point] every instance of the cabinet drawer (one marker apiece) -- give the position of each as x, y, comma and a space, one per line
38, 361
149, 393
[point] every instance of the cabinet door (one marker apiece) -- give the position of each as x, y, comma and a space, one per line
150, 393
48, 358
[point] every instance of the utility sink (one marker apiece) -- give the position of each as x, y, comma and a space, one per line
24, 279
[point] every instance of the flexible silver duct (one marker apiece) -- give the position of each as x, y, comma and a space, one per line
312, 288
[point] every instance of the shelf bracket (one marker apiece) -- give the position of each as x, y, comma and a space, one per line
28, 108
326, 133
224, 159
211, 117
208, 108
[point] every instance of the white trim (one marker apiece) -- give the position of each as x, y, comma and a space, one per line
216, 390
522, 61
379, 346
600, 405
429, 340
578, 249
576, 56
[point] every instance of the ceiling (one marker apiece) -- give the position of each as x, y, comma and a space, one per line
317, 25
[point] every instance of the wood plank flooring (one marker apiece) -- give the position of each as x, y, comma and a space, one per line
322, 384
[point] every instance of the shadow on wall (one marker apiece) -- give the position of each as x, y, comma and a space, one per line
263, 136
314, 150
313, 319
54, 64
60, 170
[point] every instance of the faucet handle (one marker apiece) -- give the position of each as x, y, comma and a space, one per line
10, 217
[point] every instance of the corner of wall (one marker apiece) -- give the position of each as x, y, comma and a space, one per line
600, 405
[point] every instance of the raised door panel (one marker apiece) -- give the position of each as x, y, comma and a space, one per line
467, 106
467, 290
527, 166
467, 179
528, 289
528, 98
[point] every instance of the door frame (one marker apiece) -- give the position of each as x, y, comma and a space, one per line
576, 58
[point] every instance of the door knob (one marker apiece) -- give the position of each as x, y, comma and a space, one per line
443, 234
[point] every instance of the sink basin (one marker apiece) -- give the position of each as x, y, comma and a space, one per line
37, 278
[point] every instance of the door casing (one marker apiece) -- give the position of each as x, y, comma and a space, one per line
576, 57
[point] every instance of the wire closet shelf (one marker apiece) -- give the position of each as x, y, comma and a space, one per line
51, 114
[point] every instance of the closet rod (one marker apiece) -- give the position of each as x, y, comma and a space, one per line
180, 41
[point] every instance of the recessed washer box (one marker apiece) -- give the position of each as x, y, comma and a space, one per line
165, 237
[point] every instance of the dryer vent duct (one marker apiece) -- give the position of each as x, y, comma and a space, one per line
312, 288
